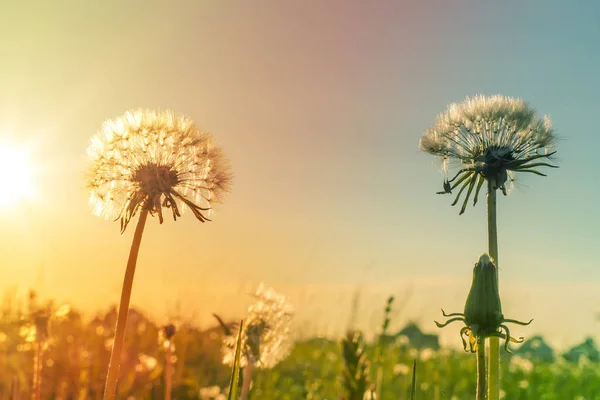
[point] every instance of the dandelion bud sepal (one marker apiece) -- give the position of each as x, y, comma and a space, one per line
482, 314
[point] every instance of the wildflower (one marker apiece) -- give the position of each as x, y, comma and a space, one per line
166, 334
265, 339
147, 362
426, 354
401, 369
148, 159
144, 161
483, 310
520, 363
523, 384
402, 341
489, 138
209, 392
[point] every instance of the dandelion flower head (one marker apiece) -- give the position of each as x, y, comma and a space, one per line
489, 138
150, 159
265, 338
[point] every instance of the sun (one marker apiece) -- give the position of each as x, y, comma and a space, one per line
16, 175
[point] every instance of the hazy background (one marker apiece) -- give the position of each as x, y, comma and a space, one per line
320, 106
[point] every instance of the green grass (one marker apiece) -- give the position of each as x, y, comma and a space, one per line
77, 355
443, 374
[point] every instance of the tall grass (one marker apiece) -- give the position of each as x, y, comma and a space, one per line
79, 347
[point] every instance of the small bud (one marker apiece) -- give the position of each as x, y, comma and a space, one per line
483, 309
41, 321
169, 331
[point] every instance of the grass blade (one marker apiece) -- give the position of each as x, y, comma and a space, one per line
235, 373
413, 385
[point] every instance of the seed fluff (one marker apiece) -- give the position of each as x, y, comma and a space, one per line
489, 138
153, 159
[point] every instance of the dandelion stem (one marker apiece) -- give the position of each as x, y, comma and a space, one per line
247, 380
115, 356
37, 371
168, 374
481, 378
493, 342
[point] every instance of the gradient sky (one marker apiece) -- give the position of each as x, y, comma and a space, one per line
320, 107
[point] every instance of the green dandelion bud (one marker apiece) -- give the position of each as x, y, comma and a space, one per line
483, 309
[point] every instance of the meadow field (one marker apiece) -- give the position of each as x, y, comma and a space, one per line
76, 350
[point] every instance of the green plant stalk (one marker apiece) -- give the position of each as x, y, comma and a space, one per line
379, 351
493, 342
481, 377
168, 374
235, 372
115, 356
379, 381
413, 383
37, 371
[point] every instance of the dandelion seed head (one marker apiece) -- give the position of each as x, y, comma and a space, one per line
209, 392
266, 335
520, 363
154, 159
401, 369
147, 362
489, 138
426, 354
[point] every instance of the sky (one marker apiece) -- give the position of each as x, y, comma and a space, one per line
320, 107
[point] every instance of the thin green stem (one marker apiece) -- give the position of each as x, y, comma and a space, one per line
379, 382
493, 342
481, 378
115, 356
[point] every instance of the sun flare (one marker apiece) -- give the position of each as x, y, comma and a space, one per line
16, 175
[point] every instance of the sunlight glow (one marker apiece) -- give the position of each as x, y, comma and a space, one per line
16, 175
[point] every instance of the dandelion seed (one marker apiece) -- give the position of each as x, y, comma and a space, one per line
148, 159
426, 354
265, 339
147, 362
209, 392
489, 138
520, 363
401, 369
402, 340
